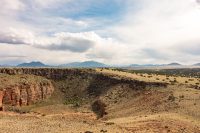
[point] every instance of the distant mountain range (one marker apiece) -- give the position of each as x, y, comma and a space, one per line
198, 64
86, 64
155, 65
145, 65
32, 64
94, 64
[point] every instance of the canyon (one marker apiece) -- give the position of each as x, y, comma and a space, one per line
96, 100
25, 86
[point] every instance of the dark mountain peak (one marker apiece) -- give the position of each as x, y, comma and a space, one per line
86, 64
32, 64
174, 64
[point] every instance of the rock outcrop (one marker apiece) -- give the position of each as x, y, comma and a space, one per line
27, 94
20, 90
1, 100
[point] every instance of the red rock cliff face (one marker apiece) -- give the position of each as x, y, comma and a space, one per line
21, 95
1, 100
22, 89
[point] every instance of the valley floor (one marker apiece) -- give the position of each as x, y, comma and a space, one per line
86, 123
57, 123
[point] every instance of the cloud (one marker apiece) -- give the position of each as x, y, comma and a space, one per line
74, 42
89, 44
11, 6
41, 32
189, 47
12, 56
113, 32
160, 25
49, 3
14, 36
154, 54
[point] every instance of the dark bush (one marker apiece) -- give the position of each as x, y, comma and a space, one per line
171, 98
99, 108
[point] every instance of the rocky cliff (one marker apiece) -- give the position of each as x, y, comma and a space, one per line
80, 80
27, 94
1, 100
20, 90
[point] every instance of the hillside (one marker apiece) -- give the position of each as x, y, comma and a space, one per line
103, 100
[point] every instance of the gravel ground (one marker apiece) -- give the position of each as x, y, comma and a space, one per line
54, 124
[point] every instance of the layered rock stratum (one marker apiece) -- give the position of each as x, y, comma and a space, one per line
20, 90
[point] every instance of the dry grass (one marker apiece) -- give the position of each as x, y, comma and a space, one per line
153, 77
13, 80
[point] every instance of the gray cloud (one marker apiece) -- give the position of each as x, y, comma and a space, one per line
12, 56
16, 36
191, 47
9, 39
153, 53
70, 44
74, 42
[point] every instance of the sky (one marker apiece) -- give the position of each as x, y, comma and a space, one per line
115, 32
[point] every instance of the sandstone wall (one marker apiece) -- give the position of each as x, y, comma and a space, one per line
20, 89
20, 95
1, 100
